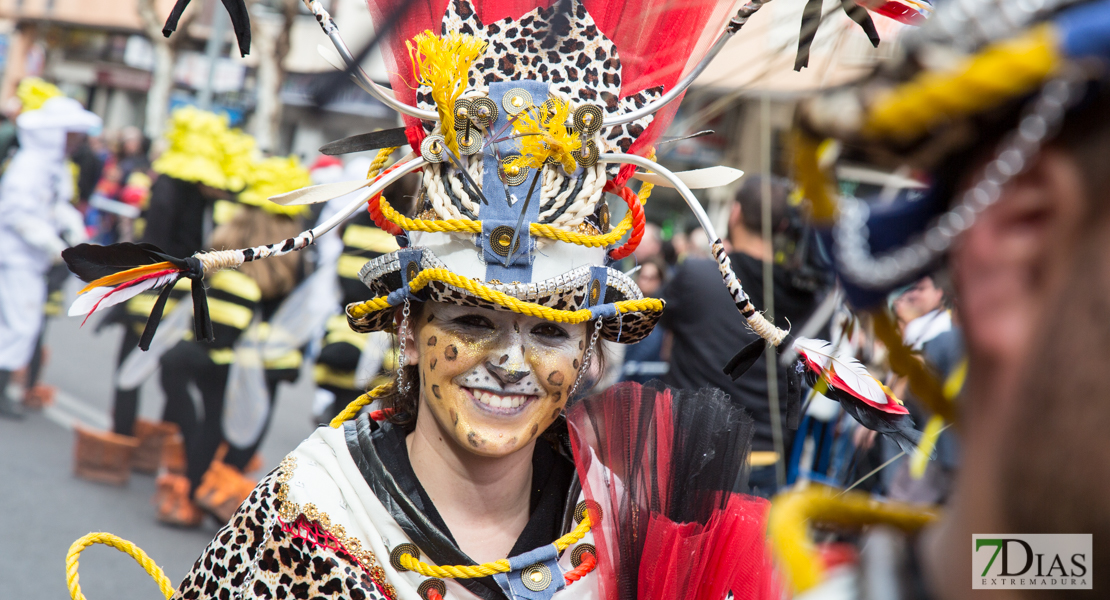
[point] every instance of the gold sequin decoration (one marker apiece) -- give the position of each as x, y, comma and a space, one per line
536, 577
516, 100
289, 511
430, 584
463, 110
412, 270
603, 218
595, 292
433, 148
398, 550
596, 513
469, 146
587, 155
587, 119
579, 550
484, 111
512, 175
499, 240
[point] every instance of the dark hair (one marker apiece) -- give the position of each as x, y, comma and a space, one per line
406, 405
750, 199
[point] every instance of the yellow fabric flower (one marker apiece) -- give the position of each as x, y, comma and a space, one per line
273, 176
544, 135
33, 92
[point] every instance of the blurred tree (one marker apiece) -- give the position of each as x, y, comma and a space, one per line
274, 20
165, 58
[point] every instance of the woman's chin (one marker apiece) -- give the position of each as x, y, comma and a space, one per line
497, 426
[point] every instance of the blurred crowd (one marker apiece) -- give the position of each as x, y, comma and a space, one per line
205, 185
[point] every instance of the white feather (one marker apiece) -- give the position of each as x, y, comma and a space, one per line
319, 193
697, 179
86, 302
846, 367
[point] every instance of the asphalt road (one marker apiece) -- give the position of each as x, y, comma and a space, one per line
44, 508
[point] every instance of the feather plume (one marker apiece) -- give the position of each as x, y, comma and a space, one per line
443, 63
128, 275
847, 374
105, 296
91, 262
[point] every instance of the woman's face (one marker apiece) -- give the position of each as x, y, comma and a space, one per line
493, 380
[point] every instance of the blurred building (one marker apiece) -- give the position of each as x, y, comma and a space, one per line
99, 52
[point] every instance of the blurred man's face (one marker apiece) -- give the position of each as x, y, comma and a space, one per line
1033, 278
649, 279
920, 299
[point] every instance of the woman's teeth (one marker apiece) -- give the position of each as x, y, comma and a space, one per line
497, 401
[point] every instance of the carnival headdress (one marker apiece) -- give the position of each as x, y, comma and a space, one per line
521, 118
975, 67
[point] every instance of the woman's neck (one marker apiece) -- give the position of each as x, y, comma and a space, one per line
485, 501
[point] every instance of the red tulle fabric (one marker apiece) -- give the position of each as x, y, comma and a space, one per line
660, 466
689, 560
658, 41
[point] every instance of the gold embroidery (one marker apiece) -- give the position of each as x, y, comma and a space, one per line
289, 511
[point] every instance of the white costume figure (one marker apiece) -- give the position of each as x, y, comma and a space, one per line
36, 219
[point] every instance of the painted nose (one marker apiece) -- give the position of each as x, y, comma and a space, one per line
505, 376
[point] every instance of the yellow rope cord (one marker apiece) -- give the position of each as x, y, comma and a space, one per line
791, 513
536, 229
582, 239
356, 405
119, 544
379, 162
447, 226
478, 289
1002, 71
486, 569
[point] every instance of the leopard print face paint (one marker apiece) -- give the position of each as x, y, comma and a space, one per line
494, 380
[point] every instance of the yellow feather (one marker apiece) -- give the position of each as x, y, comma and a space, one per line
128, 275
443, 64
546, 136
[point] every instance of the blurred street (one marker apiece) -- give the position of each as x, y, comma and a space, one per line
45, 508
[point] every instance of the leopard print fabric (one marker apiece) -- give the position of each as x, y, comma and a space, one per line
567, 51
254, 556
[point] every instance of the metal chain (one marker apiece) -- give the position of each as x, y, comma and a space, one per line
402, 384
1040, 123
586, 359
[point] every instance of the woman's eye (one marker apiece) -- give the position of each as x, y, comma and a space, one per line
549, 330
474, 321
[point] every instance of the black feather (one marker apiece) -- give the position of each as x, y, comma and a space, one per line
744, 359
795, 372
386, 138
91, 262
811, 19
175, 16
860, 15
241, 23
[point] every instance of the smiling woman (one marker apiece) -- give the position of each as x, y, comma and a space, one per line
488, 470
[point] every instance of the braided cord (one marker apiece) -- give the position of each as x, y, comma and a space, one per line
588, 563
1002, 71
379, 161
356, 405
120, 544
486, 569
478, 289
633, 220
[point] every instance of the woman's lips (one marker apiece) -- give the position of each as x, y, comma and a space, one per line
503, 404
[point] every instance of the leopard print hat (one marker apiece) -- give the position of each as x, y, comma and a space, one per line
512, 212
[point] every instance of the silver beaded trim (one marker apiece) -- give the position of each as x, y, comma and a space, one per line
1039, 124
971, 24
573, 281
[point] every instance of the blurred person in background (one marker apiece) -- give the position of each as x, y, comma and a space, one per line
213, 480
37, 222
204, 163
707, 330
644, 360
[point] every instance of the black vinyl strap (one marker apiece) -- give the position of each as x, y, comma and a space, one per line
156, 316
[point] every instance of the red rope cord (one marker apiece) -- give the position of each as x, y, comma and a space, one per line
381, 415
588, 563
433, 594
374, 208
633, 201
